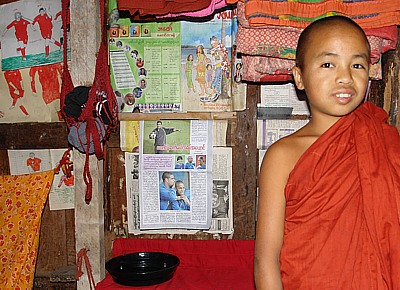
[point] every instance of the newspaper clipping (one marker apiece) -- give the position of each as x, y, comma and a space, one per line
222, 210
176, 174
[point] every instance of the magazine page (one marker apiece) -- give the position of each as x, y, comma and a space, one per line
144, 62
175, 184
206, 63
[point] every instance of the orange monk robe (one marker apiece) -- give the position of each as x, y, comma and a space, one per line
342, 226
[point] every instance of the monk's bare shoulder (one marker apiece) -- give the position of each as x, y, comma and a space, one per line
285, 152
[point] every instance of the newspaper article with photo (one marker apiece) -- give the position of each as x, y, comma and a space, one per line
222, 209
62, 193
132, 175
175, 185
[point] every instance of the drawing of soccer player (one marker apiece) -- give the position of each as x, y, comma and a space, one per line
14, 82
33, 163
46, 26
49, 80
20, 25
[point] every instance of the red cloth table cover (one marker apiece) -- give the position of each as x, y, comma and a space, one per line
204, 264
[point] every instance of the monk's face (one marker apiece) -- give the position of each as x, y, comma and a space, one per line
335, 70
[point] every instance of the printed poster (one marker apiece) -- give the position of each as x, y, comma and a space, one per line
206, 63
144, 61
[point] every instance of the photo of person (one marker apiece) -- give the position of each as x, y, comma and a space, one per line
127, 48
183, 196
142, 84
179, 163
139, 62
174, 195
134, 53
135, 169
166, 137
129, 99
137, 92
142, 72
189, 164
238, 72
220, 199
167, 191
159, 134
201, 162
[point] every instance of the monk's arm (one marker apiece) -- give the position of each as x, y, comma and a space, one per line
270, 219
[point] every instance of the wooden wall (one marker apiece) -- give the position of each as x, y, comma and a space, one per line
57, 241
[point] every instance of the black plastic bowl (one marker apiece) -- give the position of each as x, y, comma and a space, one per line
142, 268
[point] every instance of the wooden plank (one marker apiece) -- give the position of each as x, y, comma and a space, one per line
52, 244
245, 168
4, 166
33, 135
177, 116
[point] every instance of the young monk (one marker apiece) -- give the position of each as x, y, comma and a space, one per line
329, 200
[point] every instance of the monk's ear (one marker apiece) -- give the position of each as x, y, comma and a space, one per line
298, 79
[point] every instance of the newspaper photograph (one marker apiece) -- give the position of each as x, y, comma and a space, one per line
222, 209
175, 184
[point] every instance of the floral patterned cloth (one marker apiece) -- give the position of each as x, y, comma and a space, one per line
300, 13
22, 199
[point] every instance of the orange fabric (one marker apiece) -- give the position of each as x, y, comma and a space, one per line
367, 13
342, 226
22, 199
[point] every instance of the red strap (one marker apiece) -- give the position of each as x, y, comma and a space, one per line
82, 255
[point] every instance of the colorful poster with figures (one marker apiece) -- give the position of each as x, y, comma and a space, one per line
31, 34
206, 63
144, 62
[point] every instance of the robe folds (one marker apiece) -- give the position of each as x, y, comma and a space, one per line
342, 223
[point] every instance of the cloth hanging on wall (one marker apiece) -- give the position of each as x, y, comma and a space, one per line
162, 7
22, 199
215, 4
367, 13
269, 52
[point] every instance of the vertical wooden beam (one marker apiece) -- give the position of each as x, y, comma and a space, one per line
85, 40
245, 169
89, 219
